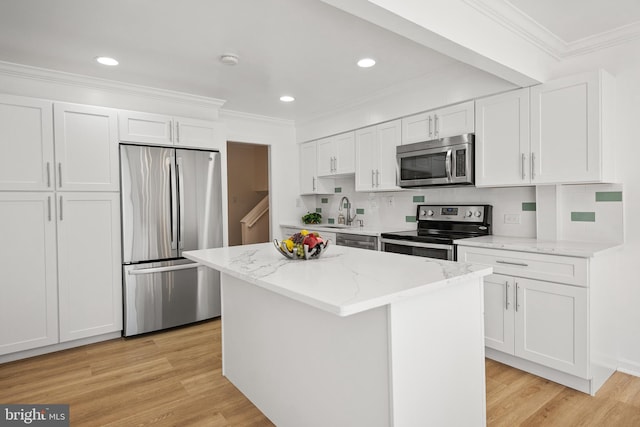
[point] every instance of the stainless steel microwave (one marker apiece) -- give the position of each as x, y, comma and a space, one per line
446, 161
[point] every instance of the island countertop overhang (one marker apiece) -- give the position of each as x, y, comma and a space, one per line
343, 281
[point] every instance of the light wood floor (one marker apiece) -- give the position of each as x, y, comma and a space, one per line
174, 379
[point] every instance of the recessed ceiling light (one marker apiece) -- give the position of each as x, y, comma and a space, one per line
105, 60
366, 63
287, 98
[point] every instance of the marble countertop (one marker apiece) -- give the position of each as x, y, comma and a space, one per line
344, 280
553, 247
366, 230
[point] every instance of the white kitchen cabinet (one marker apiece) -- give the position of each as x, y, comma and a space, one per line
572, 129
502, 140
336, 155
376, 156
166, 130
26, 141
89, 264
541, 317
444, 122
310, 183
29, 302
86, 148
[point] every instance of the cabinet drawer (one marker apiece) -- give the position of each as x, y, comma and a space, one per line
554, 268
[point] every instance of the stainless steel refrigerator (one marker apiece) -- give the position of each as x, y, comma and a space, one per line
171, 202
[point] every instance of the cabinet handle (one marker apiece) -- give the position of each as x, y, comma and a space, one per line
533, 166
436, 131
60, 208
373, 178
178, 132
430, 131
517, 303
377, 178
314, 183
59, 174
521, 264
48, 174
524, 159
49, 207
506, 295
171, 131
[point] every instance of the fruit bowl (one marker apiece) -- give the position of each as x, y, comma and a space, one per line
302, 245
307, 253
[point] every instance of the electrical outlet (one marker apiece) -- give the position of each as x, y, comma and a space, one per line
390, 201
512, 218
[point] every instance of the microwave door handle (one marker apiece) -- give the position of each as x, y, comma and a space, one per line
448, 165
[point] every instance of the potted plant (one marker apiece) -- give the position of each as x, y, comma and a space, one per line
312, 218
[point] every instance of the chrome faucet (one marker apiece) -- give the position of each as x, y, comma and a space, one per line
349, 219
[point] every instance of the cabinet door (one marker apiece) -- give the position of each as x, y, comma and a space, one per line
366, 158
551, 325
89, 265
345, 153
196, 133
502, 139
565, 130
308, 158
26, 142
454, 120
145, 127
29, 302
389, 136
86, 145
326, 150
417, 128
499, 313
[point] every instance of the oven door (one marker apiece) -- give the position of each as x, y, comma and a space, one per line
451, 164
427, 250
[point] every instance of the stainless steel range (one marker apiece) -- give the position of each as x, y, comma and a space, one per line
438, 227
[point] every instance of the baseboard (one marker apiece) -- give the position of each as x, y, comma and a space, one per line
629, 367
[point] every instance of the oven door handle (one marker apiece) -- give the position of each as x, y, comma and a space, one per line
417, 244
448, 164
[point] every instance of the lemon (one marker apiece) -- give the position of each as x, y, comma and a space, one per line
289, 244
304, 232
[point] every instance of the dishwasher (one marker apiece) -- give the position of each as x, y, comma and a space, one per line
357, 241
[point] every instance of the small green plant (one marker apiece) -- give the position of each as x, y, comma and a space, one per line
312, 218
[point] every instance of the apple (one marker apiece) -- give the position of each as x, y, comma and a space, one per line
311, 241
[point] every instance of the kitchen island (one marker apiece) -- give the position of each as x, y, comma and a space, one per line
354, 338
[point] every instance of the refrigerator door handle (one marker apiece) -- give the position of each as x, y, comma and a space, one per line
180, 178
163, 269
173, 202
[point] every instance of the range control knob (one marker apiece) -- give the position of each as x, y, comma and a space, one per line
478, 214
430, 212
468, 214
423, 212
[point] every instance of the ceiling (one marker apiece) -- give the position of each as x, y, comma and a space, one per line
304, 48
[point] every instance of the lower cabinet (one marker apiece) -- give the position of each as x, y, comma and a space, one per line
551, 315
539, 321
58, 289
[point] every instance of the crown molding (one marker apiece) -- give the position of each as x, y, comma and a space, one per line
233, 114
522, 25
110, 86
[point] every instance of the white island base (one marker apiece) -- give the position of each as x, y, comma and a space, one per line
415, 358
418, 362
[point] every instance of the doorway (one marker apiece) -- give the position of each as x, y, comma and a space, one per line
248, 192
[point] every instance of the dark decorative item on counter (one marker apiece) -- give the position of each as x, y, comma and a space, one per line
312, 218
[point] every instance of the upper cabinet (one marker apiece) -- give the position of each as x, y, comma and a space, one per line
336, 155
309, 181
166, 130
502, 140
26, 140
555, 133
441, 123
376, 157
571, 129
86, 148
